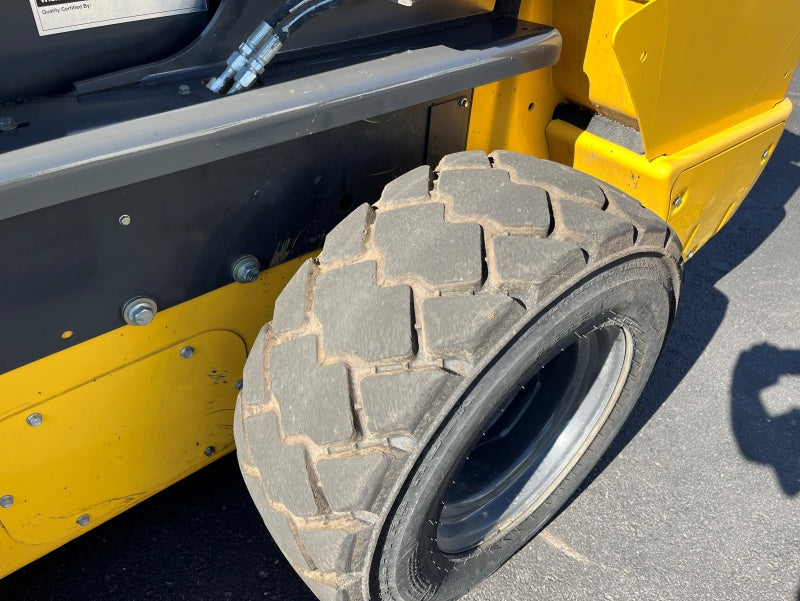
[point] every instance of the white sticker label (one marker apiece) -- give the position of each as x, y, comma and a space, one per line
58, 16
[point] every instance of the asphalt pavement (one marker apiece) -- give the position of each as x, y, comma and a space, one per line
698, 498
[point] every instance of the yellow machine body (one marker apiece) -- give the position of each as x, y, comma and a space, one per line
123, 415
703, 83
130, 412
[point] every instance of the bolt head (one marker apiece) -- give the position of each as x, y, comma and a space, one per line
678, 201
34, 419
246, 269
6, 501
7, 124
184, 90
209, 451
239, 385
464, 103
142, 315
765, 156
187, 352
139, 311
124, 219
83, 520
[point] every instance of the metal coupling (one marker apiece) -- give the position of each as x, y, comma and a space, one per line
255, 66
238, 59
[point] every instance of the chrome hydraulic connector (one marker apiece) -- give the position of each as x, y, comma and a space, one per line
247, 74
239, 59
246, 64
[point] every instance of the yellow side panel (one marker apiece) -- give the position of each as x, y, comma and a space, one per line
712, 191
588, 72
512, 114
104, 446
123, 415
711, 178
695, 68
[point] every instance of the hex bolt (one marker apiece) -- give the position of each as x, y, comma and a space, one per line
187, 352
34, 419
6, 501
209, 451
124, 220
765, 156
184, 90
139, 311
83, 520
464, 103
678, 201
239, 385
7, 124
246, 269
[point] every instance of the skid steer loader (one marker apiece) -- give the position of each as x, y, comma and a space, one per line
504, 193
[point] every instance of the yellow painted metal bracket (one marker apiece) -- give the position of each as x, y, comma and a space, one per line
695, 190
695, 69
92, 430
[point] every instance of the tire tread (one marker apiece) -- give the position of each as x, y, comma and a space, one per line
322, 442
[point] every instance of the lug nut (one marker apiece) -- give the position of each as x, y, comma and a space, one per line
246, 269
139, 311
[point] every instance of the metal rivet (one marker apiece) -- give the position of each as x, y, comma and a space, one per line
34, 419
124, 219
238, 385
246, 269
6, 501
7, 124
139, 311
209, 451
678, 201
83, 520
765, 156
464, 103
184, 90
187, 352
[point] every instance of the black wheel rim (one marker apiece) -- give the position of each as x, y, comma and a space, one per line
546, 421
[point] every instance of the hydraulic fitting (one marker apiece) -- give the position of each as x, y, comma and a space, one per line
247, 75
238, 59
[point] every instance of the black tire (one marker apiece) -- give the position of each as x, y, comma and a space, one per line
387, 428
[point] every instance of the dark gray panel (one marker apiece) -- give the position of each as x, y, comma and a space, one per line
71, 266
109, 157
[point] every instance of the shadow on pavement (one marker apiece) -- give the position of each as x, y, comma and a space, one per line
762, 437
702, 306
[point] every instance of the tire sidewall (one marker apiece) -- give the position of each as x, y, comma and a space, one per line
634, 294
